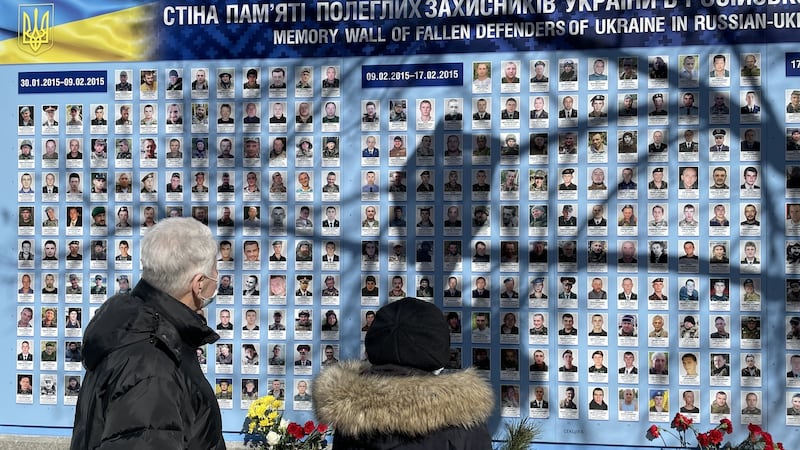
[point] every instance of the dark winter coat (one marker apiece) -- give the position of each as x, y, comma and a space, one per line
144, 388
422, 411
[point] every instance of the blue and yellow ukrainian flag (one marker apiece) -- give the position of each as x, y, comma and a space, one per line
77, 31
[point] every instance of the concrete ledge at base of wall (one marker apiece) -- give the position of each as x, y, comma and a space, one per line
233, 442
24, 442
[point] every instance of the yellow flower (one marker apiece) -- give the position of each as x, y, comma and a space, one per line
260, 409
251, 412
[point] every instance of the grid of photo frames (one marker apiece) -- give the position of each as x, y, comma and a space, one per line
639, 168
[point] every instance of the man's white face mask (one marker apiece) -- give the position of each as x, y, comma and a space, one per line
209, 300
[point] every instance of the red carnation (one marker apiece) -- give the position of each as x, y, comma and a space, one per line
681, 422
726, 425
322, 428
295, 430
780, 445
652, 432
703, 439
309, 427
716, 436
754, 429
767, 439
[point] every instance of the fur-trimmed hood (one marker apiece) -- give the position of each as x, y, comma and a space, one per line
360, 403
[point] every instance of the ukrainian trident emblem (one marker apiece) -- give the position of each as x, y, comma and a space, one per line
35, 27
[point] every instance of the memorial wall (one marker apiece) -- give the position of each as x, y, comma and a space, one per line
602, 196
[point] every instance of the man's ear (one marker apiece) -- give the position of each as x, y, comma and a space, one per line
196, 284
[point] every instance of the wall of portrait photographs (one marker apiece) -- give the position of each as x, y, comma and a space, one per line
576, 215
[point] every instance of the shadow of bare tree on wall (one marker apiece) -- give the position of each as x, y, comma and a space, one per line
516, 234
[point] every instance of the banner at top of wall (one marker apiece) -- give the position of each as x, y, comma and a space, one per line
74, 31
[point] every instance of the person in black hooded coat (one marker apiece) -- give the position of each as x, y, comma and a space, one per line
421, 406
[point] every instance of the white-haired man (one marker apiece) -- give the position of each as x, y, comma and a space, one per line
144, 388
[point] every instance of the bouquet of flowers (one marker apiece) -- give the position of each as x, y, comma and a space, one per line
265, 428
757, 439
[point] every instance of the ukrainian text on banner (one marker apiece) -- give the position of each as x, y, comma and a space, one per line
70, 31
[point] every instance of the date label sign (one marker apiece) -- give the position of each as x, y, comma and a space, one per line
62, 82
411, 75
793, 64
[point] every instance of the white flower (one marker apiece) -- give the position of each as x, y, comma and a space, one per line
284, 424
273, 438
